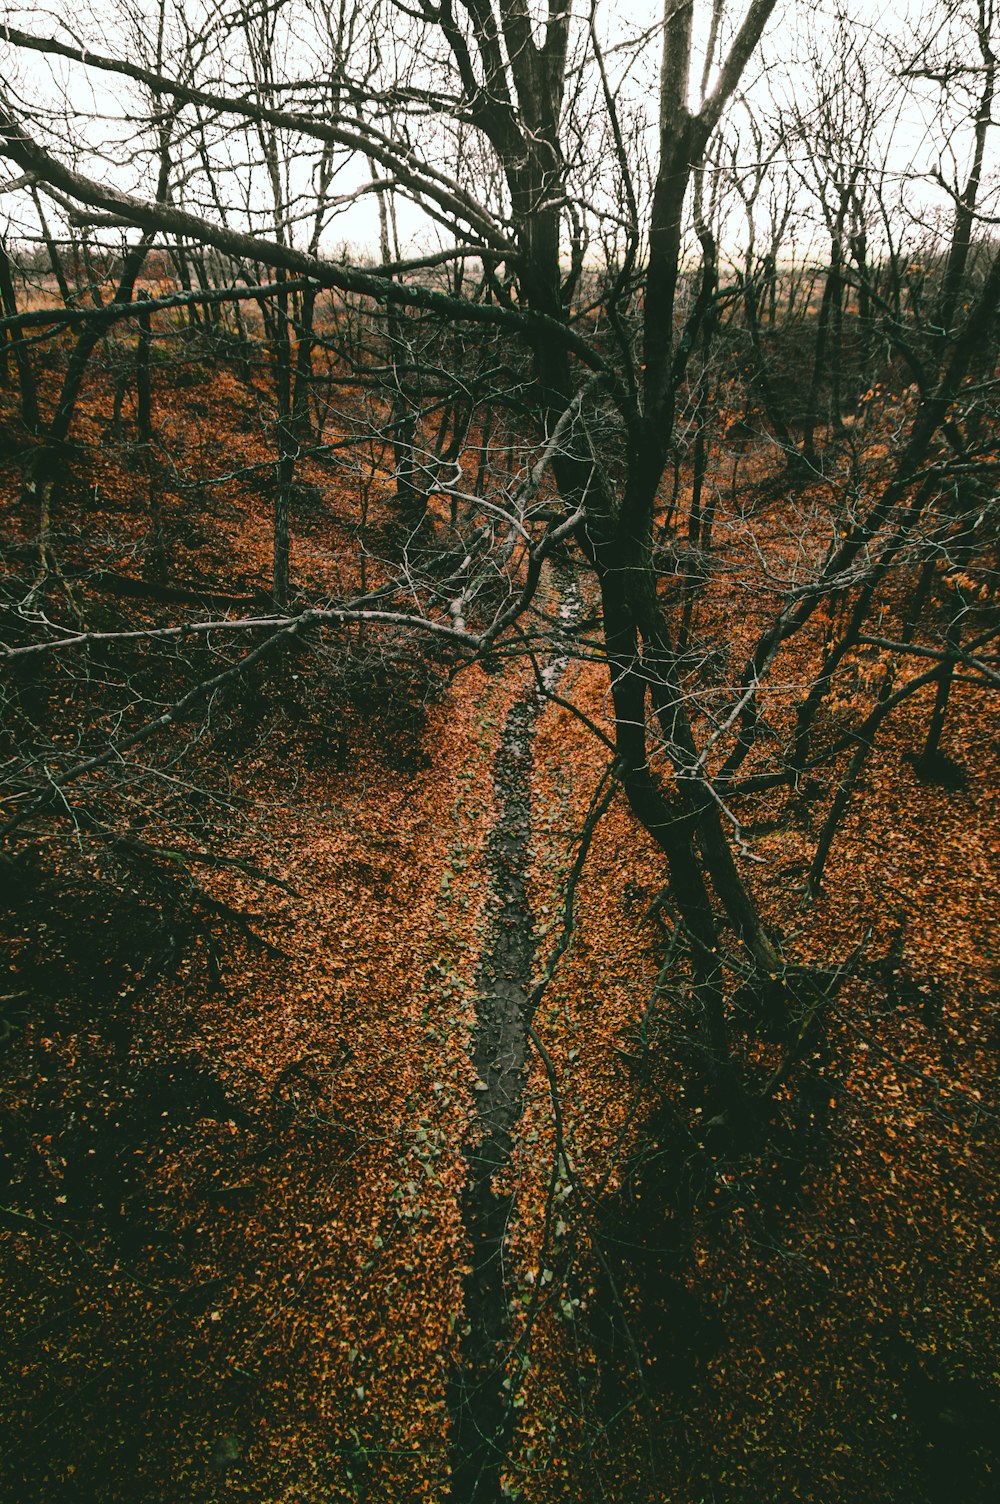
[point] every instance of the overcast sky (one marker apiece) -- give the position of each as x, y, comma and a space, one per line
801, 39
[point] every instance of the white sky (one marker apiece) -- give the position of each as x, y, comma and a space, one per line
909, 137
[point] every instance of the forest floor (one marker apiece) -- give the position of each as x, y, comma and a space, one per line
248, 1171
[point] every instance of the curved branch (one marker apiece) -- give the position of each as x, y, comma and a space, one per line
21, 148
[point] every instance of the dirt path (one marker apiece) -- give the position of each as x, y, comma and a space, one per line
481, 1415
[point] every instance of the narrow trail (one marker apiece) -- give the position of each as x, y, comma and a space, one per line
481, 1414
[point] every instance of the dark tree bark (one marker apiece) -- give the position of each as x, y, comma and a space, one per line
25, 374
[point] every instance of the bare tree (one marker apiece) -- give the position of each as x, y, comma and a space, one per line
534, 296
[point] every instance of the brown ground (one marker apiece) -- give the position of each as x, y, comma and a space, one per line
231, 1237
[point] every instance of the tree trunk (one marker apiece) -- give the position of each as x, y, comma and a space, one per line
25, 374
287, 449
831, 296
